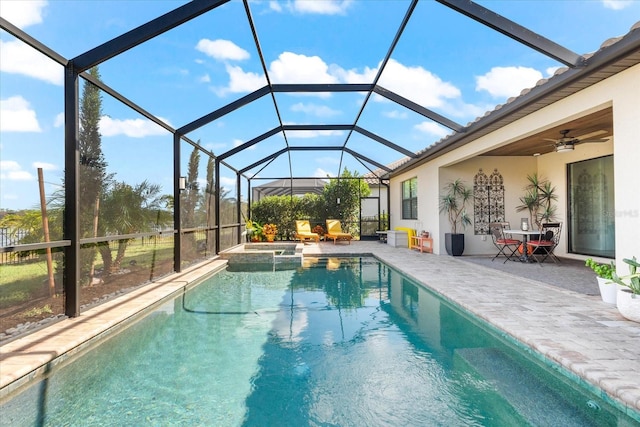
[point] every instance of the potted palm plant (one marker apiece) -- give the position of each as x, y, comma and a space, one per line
453, 202
628, 297
538, 200
604, 275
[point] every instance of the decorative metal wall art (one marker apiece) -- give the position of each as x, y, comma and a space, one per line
488, 197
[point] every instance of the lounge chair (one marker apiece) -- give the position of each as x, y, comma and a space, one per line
303, 231
334, 231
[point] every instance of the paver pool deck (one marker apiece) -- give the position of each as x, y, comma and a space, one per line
580, 332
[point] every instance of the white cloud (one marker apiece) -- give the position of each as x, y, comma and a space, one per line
321, 173
354, 76
228, 184
324, 7
44, 166
134, 128
238, 142
59, 120
9, 165
292, 68
222, 50
507, 81
19, 58
414, 83
205, 79
551, 71
23, 13
315, 110
460, 109
306, 134
617, 4
275, 6
240, 82
16, 115
432, 128
417, 84
11, 170
395, 114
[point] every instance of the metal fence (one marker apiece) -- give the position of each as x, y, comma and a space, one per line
7, 238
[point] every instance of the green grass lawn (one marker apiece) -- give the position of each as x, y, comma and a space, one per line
19, 281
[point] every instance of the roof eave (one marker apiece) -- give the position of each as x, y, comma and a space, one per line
539, 96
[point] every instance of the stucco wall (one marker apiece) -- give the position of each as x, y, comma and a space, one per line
621, 91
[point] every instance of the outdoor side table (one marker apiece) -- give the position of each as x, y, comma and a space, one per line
418, 242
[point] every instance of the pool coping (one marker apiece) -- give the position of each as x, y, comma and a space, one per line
537, 315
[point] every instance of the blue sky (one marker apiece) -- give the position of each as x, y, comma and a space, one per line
443, 61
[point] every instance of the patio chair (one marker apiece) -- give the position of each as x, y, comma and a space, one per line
506, 245
303, 231
543, 247
334, 231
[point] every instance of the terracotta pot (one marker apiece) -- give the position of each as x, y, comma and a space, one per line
628, 304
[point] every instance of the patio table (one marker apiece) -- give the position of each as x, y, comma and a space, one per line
525, 238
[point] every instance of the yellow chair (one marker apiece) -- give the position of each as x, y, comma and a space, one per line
334, 231
303, 231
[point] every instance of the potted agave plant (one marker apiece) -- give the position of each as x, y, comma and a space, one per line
628, 297
604, 275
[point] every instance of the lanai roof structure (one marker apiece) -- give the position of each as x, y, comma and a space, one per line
305, 99
285, 187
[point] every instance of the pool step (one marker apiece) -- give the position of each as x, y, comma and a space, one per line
530, 396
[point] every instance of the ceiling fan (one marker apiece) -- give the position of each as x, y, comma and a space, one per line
567, 143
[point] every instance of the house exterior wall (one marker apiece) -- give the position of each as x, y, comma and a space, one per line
621, 91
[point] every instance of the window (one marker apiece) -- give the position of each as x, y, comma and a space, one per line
410, 199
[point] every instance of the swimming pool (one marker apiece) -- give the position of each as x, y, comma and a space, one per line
338, 342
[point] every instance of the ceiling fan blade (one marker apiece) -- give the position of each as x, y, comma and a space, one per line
591, 134
591, 140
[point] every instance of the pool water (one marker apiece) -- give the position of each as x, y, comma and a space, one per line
341, 341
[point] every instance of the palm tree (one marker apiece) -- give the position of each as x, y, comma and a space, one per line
126, 210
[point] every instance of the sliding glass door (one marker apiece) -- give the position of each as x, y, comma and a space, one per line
592, 207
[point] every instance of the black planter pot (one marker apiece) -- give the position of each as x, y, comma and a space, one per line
454, 243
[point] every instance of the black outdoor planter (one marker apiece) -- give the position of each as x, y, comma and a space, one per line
454, 243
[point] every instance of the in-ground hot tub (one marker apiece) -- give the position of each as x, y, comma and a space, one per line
264, 256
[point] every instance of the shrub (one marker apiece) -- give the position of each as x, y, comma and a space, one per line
602, 270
